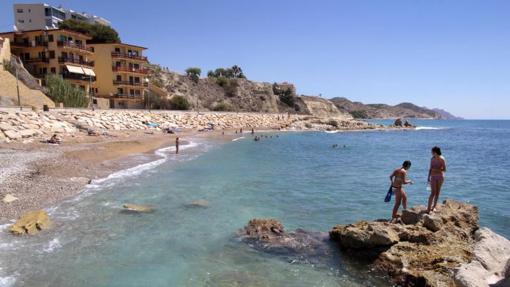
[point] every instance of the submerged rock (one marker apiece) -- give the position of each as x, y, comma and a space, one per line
198, 203
137, 208
424, 252
30, 223
269, 235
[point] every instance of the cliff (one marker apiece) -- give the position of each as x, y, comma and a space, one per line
383, 111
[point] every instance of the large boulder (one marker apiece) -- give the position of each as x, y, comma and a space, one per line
30, 223
423, 251
491, 257
363, 235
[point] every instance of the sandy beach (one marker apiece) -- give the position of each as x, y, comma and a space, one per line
40, 175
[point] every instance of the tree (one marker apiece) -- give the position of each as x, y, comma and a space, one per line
61, 91
99, 33
193, 73
237, 72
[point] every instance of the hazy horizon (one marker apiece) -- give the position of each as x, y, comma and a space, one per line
449, 55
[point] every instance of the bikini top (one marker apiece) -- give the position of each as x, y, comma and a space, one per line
436, 164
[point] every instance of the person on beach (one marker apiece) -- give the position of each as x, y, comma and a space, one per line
252, 131
398, 178
54, 139
436, 177
176, 145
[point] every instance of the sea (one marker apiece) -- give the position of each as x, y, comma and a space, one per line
299, 178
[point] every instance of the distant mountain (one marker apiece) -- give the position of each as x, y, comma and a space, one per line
383, 111
446, 115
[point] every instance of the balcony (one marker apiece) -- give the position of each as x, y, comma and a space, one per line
78, 77
73, 45
130, 70
130, 83
75, 61
128, 56
128, 96
36, 60
24, 44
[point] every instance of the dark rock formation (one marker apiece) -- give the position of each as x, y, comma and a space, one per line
269, 236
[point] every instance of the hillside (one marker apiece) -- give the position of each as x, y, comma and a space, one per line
242, 95
383, 111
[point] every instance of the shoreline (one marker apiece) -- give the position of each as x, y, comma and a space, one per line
40, 175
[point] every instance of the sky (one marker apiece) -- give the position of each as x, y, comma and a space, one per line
453, 55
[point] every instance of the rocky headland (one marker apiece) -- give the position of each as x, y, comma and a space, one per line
446, 248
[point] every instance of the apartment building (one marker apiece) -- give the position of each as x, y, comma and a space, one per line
121, 74
57, 51
42, 16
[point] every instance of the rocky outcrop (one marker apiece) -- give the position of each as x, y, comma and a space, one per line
137, 208
269, 236
30, 223
423, 252
491, 260
323, 108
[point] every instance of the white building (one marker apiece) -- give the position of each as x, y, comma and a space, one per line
43, 16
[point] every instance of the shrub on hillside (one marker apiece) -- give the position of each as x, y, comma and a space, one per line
193, 73
61, 91
359, 114
223, 107
99, 33
234, 72
179, 103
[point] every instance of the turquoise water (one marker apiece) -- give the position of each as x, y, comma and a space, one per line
296, 177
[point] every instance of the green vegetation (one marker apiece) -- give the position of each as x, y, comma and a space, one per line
285, 94
223, 107
359, 114
234, 72
193, 73
333, 122
179, 103
61, 91
99, 33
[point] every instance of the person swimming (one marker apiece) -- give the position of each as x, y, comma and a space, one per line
399, 178
436, 177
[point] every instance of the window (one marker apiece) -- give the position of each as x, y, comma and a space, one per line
119, 78
132, 92
21, 21
117, 50
53, 70
49, 23
29, 10
137, 92
52, 54
82, 88
137, 80
19, 10
120, 91
50, 38
47, 12
29, 20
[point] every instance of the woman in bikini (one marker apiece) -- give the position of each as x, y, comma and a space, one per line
436, 177
398, 178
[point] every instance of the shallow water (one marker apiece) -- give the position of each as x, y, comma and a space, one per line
297, 178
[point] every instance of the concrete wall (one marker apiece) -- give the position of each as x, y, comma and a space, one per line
5, 51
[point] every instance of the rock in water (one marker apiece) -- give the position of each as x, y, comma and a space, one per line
198, 203
425, 253
137, 208
490, 263
30, 223
269, 235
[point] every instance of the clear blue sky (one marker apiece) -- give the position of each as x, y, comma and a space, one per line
448, 54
